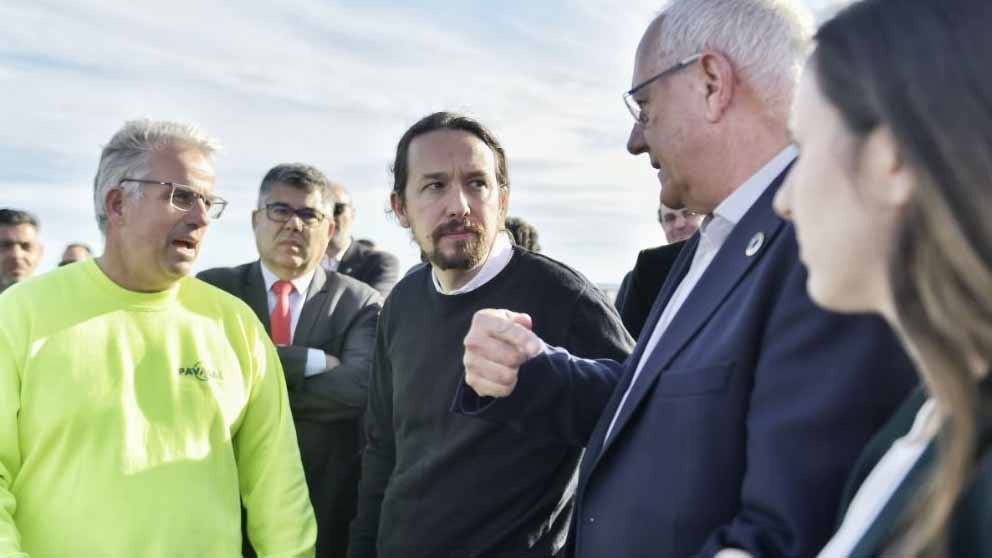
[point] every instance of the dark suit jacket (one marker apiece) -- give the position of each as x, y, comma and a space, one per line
968, 532
744, 422
339, 317
373, 267
641, 285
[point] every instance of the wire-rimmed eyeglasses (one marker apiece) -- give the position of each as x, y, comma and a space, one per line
184, 198
634, 106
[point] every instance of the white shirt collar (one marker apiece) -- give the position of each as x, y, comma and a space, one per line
499, 257
332, 264
740, 201
301, 283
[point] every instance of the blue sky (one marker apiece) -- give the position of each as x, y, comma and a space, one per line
334, 84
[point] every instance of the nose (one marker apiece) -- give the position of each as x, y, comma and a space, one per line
199, 215
635, 143
295, 222
456, 203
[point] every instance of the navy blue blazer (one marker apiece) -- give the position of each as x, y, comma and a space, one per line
743, 424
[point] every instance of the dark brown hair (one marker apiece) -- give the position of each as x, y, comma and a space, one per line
445, 121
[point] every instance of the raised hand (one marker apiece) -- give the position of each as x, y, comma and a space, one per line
498, 342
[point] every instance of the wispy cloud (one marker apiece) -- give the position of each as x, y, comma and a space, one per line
333, 84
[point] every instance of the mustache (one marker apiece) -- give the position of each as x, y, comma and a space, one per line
456, 227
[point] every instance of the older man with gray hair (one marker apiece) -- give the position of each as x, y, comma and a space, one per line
139, 408
731, 428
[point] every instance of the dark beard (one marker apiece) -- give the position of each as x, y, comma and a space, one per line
467, 253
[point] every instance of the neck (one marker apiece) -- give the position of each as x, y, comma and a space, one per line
453, 279
286, 274
117, 269
338, 246
748, 144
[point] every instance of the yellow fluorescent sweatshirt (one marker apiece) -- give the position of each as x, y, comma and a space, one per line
133, 425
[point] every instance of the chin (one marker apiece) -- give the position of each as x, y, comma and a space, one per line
178, 270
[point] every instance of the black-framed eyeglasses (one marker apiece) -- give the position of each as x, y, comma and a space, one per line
282, 213
634, 106
339, 208
184, 198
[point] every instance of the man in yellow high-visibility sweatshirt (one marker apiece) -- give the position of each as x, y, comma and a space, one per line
140, 407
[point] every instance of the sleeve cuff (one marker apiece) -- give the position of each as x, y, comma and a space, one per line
316, 363
469, 403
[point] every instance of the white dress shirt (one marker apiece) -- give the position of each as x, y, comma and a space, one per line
499, 257
316, 361
712, 233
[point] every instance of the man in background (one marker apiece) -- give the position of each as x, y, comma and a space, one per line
75, 252
370, 265
678, 224
641, 285
20, 249
323, 324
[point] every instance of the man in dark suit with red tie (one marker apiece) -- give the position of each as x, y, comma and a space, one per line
323, 324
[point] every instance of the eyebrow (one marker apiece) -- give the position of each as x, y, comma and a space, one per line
443, 175
434, 175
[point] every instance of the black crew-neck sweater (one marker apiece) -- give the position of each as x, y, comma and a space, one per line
436, 484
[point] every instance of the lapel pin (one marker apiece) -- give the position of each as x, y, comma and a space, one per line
754, 245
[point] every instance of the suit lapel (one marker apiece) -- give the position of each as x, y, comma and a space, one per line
256, 295
313, 307
724, 273
679, 270
346, 262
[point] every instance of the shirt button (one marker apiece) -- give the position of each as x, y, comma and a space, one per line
592, 520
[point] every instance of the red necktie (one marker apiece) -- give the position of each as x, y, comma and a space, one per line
280, 314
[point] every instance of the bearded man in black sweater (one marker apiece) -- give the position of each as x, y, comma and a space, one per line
436, 484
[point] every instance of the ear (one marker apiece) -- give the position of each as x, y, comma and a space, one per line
254, 219
504, 201
718, 82
884, 165
113, 204
399, 209
331, 226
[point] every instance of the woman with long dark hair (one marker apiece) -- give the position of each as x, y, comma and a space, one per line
892, 204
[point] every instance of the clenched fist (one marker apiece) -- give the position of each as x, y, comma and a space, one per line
498, 342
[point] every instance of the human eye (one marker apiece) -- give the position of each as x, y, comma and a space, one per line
309, 215
432, 186
280, 210
478, 183
184, 199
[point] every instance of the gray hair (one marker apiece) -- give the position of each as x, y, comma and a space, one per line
126, 156
304, 177
767, 41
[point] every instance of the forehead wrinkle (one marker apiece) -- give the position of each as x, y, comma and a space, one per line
285, 192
